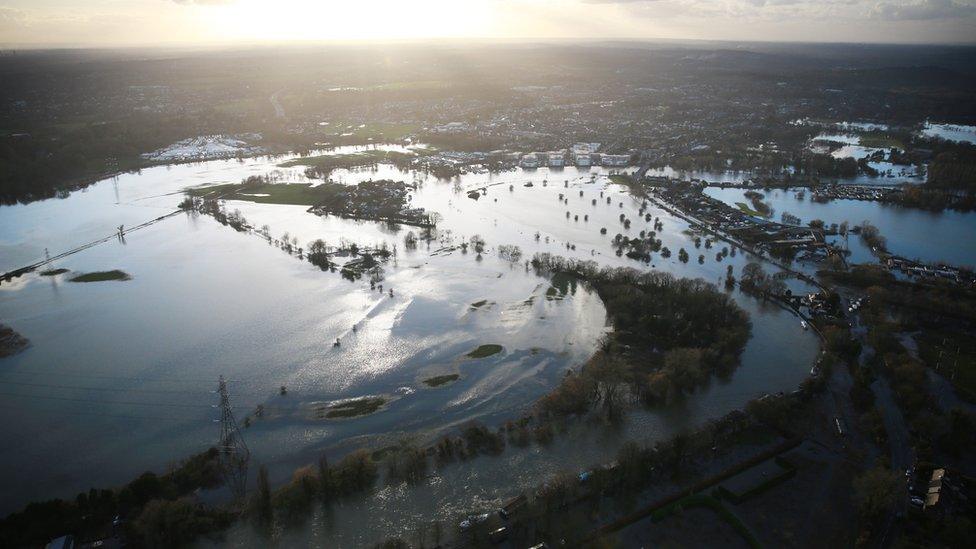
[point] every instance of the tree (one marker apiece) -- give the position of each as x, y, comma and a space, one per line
610, 373
176, 523
262, 503
876, 492
871, 236
478, 243
685, 367
753, 276
325, 479
294, 499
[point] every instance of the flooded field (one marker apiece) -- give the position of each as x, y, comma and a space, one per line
950, 132
121, 373
908, 230
851, 145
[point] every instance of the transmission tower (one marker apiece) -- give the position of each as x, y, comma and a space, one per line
233, 452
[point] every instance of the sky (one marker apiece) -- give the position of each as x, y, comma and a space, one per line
101, 23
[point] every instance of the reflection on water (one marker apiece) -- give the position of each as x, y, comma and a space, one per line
909, 231
122, 373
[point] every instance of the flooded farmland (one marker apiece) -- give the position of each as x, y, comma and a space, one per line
122, 373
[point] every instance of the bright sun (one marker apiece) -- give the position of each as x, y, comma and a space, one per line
341, 19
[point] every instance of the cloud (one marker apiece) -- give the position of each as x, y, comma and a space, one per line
923, 10
12, 16
849, 10
203, 2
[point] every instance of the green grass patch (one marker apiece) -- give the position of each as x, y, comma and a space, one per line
295, 194
485, 351
620, 179
101, 276
437, 381
707, 501
355, 408
328, 162
881, 140
53, 272
747, 210
756, 480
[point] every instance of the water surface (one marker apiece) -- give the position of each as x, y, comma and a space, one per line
122, 373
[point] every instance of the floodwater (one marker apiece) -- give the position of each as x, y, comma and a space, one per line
889, 173
950, 132
120, 375
910, 232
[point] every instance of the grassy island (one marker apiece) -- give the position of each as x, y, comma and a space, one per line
382, 200
11, 342
485, 351
437, 381
355, 408
323, 165
295, 194
101, 276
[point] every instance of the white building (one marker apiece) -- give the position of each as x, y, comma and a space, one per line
588, 148
582, 159
529, 161
557, 160
615, 159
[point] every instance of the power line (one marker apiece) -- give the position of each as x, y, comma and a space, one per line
234, 454
113, 402
38, 373
112, 389
118, 416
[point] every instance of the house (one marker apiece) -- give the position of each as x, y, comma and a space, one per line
615, 159
529, 161
934, 489
585, 148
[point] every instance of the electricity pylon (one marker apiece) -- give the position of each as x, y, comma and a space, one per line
233, 452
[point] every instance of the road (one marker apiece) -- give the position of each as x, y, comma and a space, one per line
902, 455
279, 110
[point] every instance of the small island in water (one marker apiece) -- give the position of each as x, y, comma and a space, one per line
11, 342
101, 276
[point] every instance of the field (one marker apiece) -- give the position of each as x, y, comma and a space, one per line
296, 194
954, 354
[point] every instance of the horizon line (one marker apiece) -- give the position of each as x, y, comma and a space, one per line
232, 44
